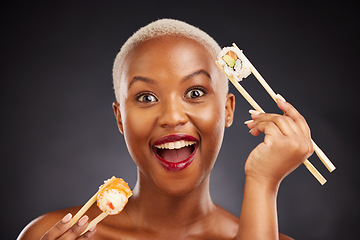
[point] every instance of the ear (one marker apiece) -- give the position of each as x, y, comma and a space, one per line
116, 107
229, 109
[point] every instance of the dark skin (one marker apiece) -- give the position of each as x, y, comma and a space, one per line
169, 86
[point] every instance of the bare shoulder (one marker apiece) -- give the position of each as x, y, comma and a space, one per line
225, 223
226, 217
39, 226
228, 225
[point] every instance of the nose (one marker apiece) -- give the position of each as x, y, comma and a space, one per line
172, 114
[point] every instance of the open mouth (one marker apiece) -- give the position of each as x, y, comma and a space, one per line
175, 152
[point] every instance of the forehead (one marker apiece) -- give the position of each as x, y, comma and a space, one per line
170, 54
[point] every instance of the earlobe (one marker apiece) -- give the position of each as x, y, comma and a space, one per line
116, 108
229, 109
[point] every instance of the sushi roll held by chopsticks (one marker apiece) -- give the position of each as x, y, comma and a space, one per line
233, 64
111, 198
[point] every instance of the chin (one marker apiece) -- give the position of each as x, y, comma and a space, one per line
182, 183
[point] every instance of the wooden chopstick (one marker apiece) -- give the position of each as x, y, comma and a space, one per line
256, 106
89, 203
95, 221
324, 159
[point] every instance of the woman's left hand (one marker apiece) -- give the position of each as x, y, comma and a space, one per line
286, 145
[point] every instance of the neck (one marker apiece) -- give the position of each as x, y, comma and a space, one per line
158, 210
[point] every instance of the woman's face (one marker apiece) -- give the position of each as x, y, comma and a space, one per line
172, 112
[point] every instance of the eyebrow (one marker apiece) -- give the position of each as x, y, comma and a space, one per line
194, 74
149, 80
139, 78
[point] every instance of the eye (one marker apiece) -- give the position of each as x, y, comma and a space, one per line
146, 98
195, 93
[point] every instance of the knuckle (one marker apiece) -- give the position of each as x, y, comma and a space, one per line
299, 118
73, 231
289, 120
311, 147
84, 236
58, 228
309, 132
270, 124
278, 118
303, 148
283, 120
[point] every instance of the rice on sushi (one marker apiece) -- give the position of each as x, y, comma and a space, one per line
230, 58
113, 198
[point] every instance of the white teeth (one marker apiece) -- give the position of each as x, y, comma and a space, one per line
175, 145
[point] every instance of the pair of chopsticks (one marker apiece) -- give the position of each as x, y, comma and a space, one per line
324, 159
88, 204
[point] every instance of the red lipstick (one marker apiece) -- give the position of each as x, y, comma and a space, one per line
175, 159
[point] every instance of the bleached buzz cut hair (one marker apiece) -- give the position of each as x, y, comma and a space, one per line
161, 28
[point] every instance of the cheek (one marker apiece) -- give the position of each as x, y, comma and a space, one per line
137, 129
210, 121
212, 115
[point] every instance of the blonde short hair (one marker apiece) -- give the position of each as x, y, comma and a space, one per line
160, 28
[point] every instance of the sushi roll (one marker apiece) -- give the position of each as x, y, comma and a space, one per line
113, 198
236, 66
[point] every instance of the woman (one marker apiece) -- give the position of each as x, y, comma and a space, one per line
172, 106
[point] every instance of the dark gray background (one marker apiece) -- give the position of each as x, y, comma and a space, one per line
60, 141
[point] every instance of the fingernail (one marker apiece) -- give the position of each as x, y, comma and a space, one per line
92, 228
248, 121
83, 220
280, 98
254, 112
66, 218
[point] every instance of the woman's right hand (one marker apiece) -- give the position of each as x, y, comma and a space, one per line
62, 229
